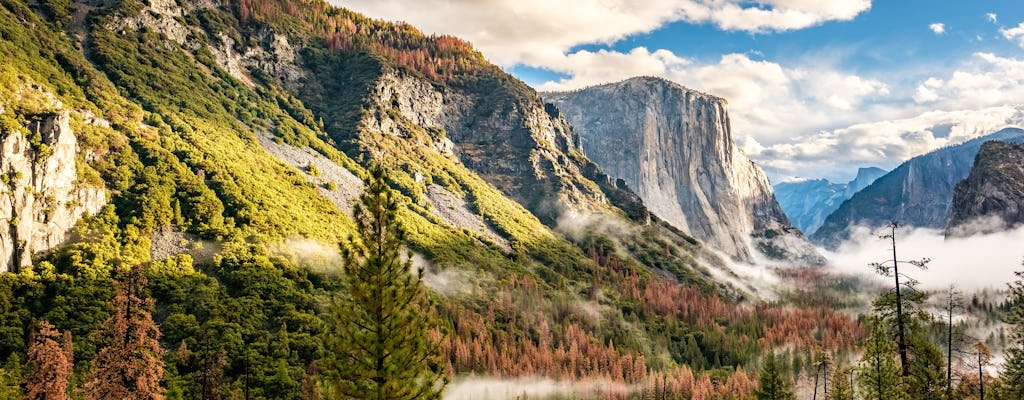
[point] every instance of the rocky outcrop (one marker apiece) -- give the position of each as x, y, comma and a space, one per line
808, 202
673, 146
40, 198
516, 144
918, 193
991, 199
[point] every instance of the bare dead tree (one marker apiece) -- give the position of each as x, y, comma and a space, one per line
953, 303
903, 283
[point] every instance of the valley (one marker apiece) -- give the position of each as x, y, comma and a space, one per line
289, 199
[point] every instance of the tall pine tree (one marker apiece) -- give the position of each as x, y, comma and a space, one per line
773, 384
51, 364
129, 366
842, 384
379, 347
879, 375
927, 380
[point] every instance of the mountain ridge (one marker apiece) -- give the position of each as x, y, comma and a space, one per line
807, 203
918, 192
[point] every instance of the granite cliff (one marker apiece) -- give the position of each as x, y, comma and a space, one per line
673, 146
40, 198
991, 199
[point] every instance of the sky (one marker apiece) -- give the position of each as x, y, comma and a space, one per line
816, 89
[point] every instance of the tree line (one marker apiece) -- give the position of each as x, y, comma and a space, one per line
903, 359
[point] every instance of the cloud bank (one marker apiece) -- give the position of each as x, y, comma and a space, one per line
523, 388
973, 263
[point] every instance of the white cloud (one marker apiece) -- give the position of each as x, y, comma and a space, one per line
1014, 34
937, 28
991, 17
980, 96
954, 261
985, 80
536, 32
837, 153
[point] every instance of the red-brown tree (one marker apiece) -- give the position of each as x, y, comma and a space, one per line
51, 364
129, 366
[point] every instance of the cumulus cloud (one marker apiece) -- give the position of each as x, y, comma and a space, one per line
980, 96
837, 153
537, 32
991, 17
1015, 34
985, 80
937, 28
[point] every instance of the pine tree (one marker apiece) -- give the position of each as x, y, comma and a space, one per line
51, 364
1013, 367
379, 348
842, 384
773, 385
927, 380
129, 366
878, 375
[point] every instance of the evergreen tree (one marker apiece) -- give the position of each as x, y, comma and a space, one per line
773, 385
379, 347
129, 366
11, 377
51, 364
1013, 367
842, 384
927, 380
878, 375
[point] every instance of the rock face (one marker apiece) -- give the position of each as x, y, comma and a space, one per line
918, 193
524, 149
673, 146
40, 199
807, 203
991, 199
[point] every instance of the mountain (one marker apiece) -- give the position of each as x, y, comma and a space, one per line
219, 145
991, 199
917, 193
808, 202
673, 146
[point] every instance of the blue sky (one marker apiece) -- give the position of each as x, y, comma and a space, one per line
815, 88
893, 36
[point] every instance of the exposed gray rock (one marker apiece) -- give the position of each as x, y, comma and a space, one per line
516, 144
348, 186
991, 199
454, 210
275, 56
673, 146
40, 198
170, 241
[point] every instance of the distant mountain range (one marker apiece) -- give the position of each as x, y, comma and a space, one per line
809, 202
918, 193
